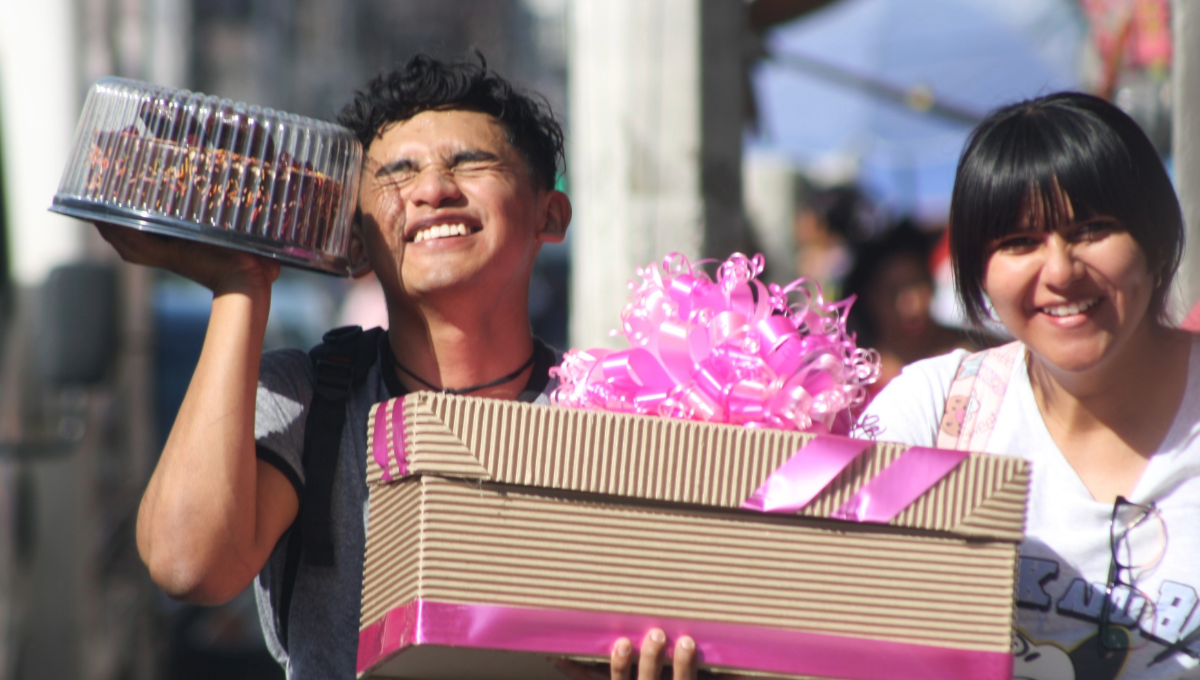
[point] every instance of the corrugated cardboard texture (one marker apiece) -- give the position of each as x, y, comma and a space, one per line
678, 461
466, 542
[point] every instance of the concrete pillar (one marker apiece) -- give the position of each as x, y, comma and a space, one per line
655, 98
169, 42
769, 186
69, 613
1185, 145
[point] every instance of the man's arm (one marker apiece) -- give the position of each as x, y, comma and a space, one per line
212, 512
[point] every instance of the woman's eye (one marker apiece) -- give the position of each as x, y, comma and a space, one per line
1017, 243
1093, 230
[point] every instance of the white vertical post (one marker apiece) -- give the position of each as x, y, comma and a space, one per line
38, 110
635, 143
769, 187
655, 92
1185, 145
168, 33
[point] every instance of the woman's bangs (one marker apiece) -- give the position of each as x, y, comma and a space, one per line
1019, 190
1095, 185
1047, 206
1071, 172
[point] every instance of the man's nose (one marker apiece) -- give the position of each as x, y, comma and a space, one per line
434, 187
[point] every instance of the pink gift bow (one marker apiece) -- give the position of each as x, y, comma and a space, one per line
733, 350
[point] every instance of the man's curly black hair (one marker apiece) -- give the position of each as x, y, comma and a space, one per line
426, 84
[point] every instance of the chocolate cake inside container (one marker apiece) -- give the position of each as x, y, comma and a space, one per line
197, 167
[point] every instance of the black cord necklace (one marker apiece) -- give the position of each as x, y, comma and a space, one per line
473, 388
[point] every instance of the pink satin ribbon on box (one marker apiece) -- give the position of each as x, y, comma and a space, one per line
899, 484
588, 633
795, 483
730, 350
815, 465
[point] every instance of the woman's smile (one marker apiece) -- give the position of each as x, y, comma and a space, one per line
1067, 309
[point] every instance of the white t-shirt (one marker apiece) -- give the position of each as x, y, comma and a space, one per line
1066, 554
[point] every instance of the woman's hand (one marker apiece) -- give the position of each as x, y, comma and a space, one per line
649, 663
218, 269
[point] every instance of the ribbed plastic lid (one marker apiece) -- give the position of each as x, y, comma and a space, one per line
203, 168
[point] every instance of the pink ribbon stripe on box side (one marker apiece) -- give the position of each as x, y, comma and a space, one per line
901, 483
399, 441
548, 631
795, 483
384, 450
379, 439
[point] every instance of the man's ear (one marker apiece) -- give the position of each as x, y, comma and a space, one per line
558, 217
360, 264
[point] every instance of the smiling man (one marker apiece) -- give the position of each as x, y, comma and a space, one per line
456, 199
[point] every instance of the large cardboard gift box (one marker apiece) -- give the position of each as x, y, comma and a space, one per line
502, 533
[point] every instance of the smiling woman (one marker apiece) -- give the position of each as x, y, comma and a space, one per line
1065, 227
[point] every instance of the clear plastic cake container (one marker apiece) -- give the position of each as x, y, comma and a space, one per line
198, 167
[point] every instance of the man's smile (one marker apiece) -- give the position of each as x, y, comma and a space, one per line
441, 226
437, 231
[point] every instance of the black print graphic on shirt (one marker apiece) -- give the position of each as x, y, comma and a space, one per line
1168, 619
1040, 660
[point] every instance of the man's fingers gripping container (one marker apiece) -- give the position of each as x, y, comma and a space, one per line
198, 167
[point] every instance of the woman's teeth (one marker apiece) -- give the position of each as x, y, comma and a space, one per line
1071, 308
440, 231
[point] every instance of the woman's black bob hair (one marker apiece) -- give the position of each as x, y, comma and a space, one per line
1027, 157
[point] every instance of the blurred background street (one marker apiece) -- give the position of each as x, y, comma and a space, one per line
822, 133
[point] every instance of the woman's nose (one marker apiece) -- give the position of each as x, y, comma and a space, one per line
1060, 267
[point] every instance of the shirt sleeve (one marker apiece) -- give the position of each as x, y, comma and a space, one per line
281, 408
909, 409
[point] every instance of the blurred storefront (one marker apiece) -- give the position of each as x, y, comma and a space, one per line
698, 126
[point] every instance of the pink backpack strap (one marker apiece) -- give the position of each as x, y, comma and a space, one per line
974, 398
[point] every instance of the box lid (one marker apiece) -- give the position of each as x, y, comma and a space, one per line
668, 460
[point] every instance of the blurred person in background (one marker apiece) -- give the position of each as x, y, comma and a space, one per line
828, 222
893, 283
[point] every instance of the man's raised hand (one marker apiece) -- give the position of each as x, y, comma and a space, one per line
216, 268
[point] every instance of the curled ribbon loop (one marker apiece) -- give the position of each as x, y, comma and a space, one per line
728, 350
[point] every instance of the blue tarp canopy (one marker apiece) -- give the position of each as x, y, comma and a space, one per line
833, 90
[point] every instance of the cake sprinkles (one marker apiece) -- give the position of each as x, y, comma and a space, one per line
212, 186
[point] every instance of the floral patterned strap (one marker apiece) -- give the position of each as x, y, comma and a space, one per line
975, 396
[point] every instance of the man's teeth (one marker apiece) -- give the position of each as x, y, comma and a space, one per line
1071, 308
440, 231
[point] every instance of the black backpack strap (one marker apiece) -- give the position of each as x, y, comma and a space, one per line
340, 362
